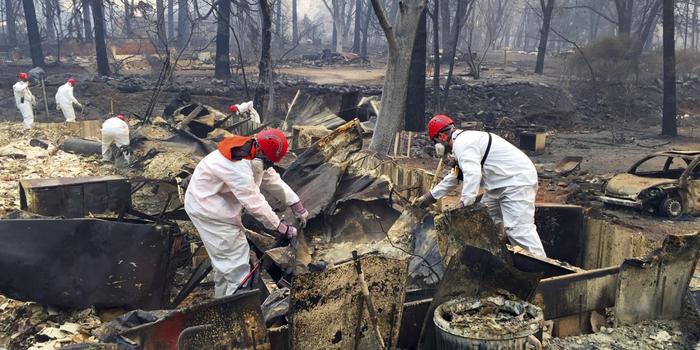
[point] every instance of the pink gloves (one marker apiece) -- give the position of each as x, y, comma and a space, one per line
300, 212
287, 231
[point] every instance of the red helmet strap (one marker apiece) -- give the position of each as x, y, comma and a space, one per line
444, 134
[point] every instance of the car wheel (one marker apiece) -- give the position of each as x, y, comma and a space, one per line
672, 207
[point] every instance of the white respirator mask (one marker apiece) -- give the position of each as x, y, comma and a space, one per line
440, 149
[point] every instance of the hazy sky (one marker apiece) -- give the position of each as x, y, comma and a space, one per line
310, 7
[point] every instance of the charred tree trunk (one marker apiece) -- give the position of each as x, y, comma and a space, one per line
593, 26
59, 34
71, 28
436, 57
459, 20
49, 13
365, 32
334, 34
624, 16
668, 126
645, 33
695, 24
160, 23
415, 102
401, 40
547, 10
100, 46
222, 64
77, 18
295, 25
11, 24
87, 23
519, 41
127, 18
33, 34
183, 30
337, 10
686, 23
264, 66
445, 26
171, 19
278, 19
357, 38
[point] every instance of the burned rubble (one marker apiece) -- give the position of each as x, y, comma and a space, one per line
102, 255
413, 261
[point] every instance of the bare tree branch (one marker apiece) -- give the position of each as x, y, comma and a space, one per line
592, 9
386, 27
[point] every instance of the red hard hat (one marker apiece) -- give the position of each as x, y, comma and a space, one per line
233, 108
23, 76
273, 144
120, 116
438, 123
72, 81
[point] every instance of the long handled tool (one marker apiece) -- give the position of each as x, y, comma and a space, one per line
252, 272
373, 318
438, 171
292, 243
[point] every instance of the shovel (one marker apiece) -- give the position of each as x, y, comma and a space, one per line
373, 317
82, 109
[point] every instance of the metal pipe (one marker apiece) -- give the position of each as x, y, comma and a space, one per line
46, 101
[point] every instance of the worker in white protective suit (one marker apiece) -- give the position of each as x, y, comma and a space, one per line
245, 108
65, 100
115, 131
508, 176
24, 100
228, 181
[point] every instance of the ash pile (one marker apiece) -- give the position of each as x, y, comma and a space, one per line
497, 315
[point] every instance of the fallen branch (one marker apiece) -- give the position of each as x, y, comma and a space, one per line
654, 146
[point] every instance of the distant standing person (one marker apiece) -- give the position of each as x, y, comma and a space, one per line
65, 100
24, 100
115, 130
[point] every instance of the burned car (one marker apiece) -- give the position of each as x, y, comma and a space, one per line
667, 183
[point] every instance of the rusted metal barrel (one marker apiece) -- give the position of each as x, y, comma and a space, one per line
488, 323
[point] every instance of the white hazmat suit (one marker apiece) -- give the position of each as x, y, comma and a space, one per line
219, 190
114, 130
509, 179
247, 107
65, 101
25, 101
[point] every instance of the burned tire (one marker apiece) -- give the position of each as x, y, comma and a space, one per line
671, 206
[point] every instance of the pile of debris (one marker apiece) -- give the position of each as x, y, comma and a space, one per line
329, 58
36, 155
37, 327
520, 102
491, 316
356, 205
646, 335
